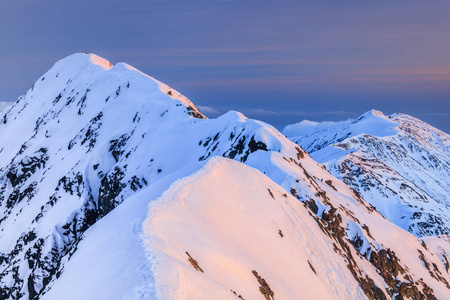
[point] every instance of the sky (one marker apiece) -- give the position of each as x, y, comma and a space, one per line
277, 61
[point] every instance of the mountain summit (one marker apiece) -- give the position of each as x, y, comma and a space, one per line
115, 186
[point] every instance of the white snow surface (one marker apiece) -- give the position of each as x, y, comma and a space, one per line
220, 217
373, 122
113, 261
108, 179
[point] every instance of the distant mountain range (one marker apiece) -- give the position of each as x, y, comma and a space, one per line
115, 186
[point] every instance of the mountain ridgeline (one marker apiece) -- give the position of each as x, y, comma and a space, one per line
115, 186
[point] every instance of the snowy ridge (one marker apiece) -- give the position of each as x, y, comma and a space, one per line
230, 198
91, 145
84, 138
398, 163
219, 216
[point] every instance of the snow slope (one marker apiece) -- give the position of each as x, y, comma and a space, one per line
85, 137
398, 163
112, 261
91, 145
233, 220
220, 217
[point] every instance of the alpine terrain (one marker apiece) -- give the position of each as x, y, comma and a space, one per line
115, 186
398, 163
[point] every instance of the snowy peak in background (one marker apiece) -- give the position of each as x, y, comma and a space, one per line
373, 122
116, 182
399, 164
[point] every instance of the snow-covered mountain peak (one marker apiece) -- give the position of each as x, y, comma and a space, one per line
399, 163
81, 59
89, 71
373, 122
376, 112
233, 115
89, 147
100, 61
75, 63
81, 141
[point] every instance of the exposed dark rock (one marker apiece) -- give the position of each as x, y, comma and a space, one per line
17, 195
312, 205
331, 224
89, 134
137, 183
239, 296
264, 287
366, 228
300, 153
311, 266
194, 263
194, 112
389, 267
357, 242
110, 188
20, 172
240, 145
117, 145
434, 272
82, 102
330, 183
294, 193
74, 185
446, 264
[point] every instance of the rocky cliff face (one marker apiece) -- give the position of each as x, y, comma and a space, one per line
91, 145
